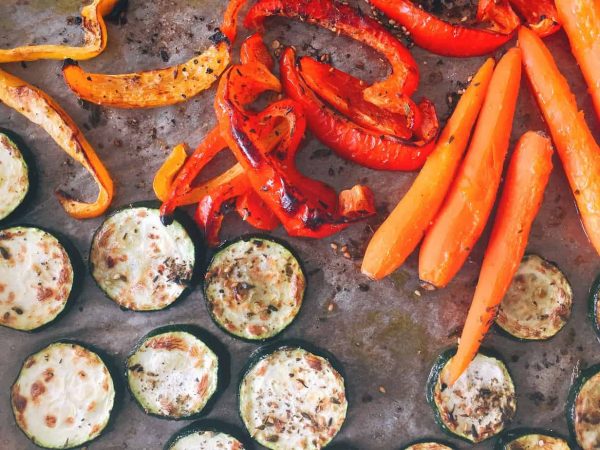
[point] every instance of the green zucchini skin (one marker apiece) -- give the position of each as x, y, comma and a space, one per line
112, 368
515, 338
32, 175
223, 370
428, 441
434, 374
77, 265
189, 227
216, 426
248, 237
266, 349
508, 436
593, 301
572, 398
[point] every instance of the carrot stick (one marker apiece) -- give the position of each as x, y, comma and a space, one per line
523, 193
462, 219
402, 231
581, 21
578, 151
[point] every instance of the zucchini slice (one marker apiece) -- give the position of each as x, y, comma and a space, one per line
538, 302
37, 277
292, 398
428, 445
481, 402
583, 409
63, 396
14, 176
531, 439
138, 262
172, 373
594, 305
254, 287
206, 435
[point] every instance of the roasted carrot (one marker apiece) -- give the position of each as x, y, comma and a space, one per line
581, 21
526, 180
578, 151
402, 231
463, 216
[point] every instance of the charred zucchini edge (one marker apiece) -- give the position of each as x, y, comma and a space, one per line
189, 227
223, 364
247, 237
593, 305
574, 390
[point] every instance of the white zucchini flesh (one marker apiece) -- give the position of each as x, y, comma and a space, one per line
36, 278
63, 396
173, 374
254, 288
537, 442
207, 440
538, 302
14, 177
293, 399
480, 403
587, 414
138, 262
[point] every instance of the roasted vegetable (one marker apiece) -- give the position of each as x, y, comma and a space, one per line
575, 144
16, 175
95, 38
531, 439
42, 110
522, 196
539, 15
583, 408
438, 36
404, 228
461, 220
207, 435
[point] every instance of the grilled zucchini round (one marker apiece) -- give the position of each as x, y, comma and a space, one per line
481, 402
207, 435
531, 439
254, 287
583, 409
594, 305
138, 262
37, 277
538, 302
172, 373
428, 445
15, 174
292, 398
63, 396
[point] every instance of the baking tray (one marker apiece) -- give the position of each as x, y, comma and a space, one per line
386, 334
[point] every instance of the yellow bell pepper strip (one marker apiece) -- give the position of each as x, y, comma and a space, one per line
152, 88
95, 38
163, 179
42, 110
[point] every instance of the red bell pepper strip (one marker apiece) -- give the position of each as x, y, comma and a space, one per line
344, 19
350, 140
345, 93
230, 19
255, 211
499, 15
254, 50
540, 15
306, 207
438, 36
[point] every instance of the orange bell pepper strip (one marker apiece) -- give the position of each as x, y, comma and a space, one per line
95, 38
575, 144
461, 220
526, 180
42, 110
581, 21
402, 231
230, 19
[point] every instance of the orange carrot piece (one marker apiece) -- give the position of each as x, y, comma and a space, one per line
402, 231
578, 151
581, 21
462, 219
523, 193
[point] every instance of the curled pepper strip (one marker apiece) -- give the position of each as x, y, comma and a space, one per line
350, 140
341, 18
304, 206
539, 15
439, 36
42, 110
95, 38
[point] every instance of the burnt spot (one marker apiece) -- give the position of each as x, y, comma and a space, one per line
219, 37
37, 389
44, 293
19, 402
48, 374
50, 421
167, 343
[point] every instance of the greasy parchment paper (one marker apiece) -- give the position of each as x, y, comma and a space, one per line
385, 334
